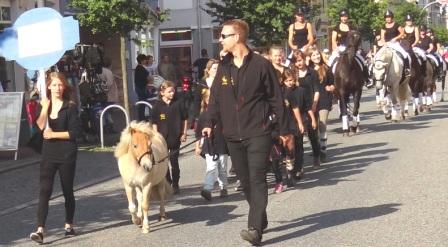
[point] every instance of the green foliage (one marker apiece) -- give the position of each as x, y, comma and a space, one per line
442, 34
366, 15
115, 16
402, 9
267, 19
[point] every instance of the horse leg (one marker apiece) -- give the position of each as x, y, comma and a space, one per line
422, 98
386, 109
429, 99
356, 117
415, 105
343, 108
161, 189
139, 202
443, 86
130, 194
146, 193
406, 108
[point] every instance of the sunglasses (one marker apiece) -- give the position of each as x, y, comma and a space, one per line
225, 36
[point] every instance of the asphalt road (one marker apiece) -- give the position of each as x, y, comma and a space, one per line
386, 186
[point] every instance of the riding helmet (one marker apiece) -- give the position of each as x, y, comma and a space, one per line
389, 14
343, 12
423, 28
409, 17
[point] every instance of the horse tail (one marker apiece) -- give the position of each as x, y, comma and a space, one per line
163, 187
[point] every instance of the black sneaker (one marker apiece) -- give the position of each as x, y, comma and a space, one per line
207, 195
69, 232
37, 237
252, 236
223, 193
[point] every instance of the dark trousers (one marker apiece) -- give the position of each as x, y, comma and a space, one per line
250, 157
47, 174
174, 175
141, 111
313, 136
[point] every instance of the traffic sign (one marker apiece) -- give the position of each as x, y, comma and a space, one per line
39, 38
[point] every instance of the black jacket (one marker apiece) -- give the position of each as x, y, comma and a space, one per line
169, 120
214, 144
59, 150
243, 98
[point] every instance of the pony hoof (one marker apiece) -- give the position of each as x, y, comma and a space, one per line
345, 133
162, 218
416, 112
388, 117
137, 221
145, 230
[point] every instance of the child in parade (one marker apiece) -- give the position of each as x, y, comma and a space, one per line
302, 100
170, 120
214, 150
326, 79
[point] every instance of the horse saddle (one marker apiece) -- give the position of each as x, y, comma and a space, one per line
336, 60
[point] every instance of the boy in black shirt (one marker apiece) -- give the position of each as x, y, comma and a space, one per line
141, 80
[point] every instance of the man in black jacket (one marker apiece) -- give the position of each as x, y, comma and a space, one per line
244, 94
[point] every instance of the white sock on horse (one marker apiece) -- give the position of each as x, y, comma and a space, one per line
429, 100
422, 98
416, 103
344, 122
434, 97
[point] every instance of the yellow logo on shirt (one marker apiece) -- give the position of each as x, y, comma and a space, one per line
224, 81
162, 116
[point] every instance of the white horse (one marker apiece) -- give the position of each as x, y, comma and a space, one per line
388, 71
141, 155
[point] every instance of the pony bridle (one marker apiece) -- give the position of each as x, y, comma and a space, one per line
383, 76
153, 161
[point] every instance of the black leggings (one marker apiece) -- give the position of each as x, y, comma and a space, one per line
67, 174
174, 176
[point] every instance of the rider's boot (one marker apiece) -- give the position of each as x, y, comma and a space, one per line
407, 67
365, 72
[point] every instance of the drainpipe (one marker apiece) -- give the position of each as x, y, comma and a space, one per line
198, 15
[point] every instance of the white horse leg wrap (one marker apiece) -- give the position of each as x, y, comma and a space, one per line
377, 99
406, 105
416, 103
423, 98
344, 122
434, 96
429, 100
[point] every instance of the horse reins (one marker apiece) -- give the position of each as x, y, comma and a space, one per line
177, 150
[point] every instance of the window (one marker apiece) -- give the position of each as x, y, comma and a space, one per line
175, 35
5, 14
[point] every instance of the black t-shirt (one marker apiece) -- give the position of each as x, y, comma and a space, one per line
310, 82
201, 63
325, 97
169, 120
424, 43
58, 150
391, 32
140, 80
297, 99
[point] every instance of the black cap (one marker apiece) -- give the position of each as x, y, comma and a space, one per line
409, 17
343, 12
388, 14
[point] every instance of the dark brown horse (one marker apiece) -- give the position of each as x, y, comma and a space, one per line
349, 80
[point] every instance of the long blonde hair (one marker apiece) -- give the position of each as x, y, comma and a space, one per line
205, 97
322, 70
209, 65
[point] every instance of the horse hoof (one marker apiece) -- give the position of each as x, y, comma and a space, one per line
345, 133
388, 117
145, 230
353, 130
416, 112
137, 221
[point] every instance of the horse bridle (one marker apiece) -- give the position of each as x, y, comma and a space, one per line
149, 152
383, 76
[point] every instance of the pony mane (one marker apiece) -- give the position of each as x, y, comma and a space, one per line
126, 136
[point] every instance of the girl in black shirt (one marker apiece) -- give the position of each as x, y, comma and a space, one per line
170, 120
302, 101
214, 150
325, 97
59, 150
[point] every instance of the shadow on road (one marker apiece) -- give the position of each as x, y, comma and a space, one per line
315, 222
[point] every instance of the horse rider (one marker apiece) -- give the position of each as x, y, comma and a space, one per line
339, 44
300, 34
435, 51
425, 46
391, 33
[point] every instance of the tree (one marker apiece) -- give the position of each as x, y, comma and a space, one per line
117, 17
402, 9
268, 20
442, 34
366, 15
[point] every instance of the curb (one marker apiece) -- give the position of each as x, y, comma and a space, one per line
18, 164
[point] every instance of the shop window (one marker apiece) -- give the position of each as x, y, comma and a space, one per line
175, 35
176, 59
